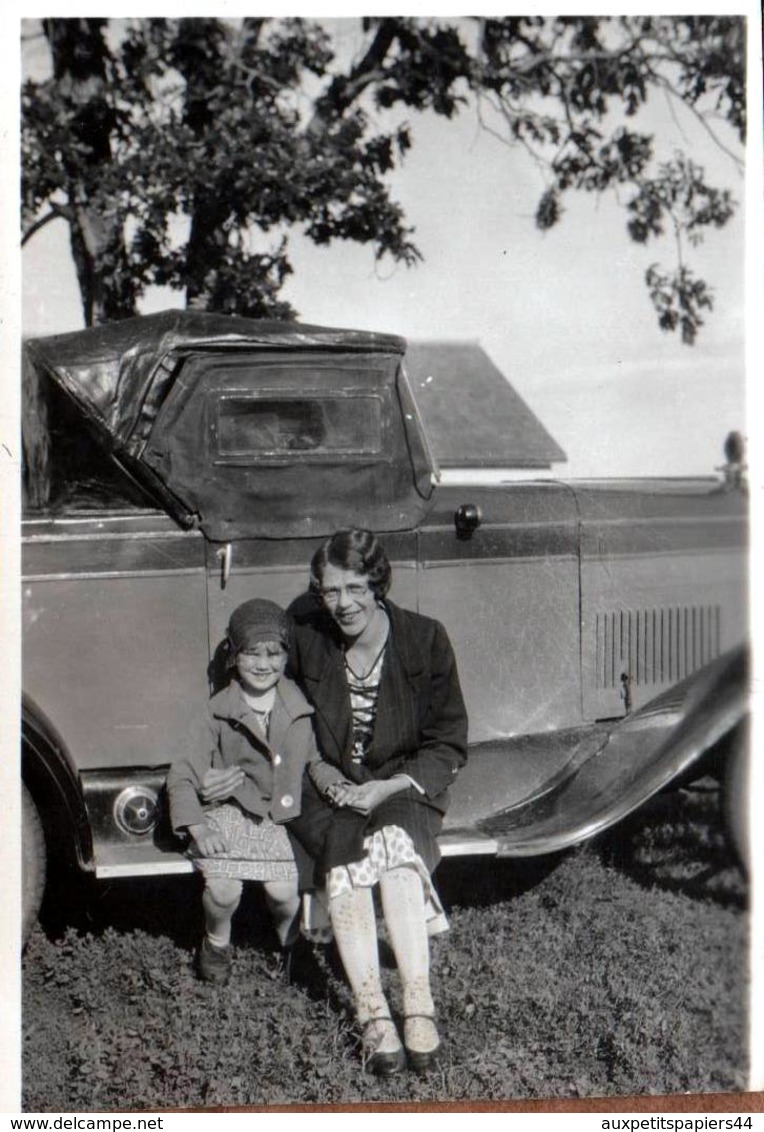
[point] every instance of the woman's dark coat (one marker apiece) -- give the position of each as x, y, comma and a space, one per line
420, 730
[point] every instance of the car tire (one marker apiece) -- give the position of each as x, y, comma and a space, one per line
33, 863
735, 795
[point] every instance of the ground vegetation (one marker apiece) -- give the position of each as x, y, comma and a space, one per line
619, 968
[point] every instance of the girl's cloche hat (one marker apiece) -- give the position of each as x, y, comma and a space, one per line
255, 621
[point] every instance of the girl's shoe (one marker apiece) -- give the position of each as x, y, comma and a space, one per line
416, 1034
383, 1063
214, 963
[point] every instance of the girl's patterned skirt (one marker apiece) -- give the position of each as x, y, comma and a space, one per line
258, 849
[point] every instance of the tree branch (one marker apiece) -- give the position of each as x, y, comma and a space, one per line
343, 90
57, 211
671, 90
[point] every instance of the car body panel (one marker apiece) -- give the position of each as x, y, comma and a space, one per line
115, 636
592, 622
663, 580
529, 796
509, 597
640, 756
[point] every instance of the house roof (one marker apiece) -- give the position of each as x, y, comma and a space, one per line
474, 417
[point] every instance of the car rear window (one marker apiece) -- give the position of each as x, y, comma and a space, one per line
267, 426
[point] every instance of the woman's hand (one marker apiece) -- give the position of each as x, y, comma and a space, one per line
339, 793
366, 796
207, 841
219, 784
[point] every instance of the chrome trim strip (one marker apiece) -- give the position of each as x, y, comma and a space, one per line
110, 536
451, 845
589, 559
735, 549
467, 845
490, 477
95, 517
112, 574
150, 868
293, 568
458, 846
588, 522
506, 526
448, 563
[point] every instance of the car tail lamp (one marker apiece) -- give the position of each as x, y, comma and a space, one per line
136, 810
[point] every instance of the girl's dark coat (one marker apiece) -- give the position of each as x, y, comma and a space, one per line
420, 730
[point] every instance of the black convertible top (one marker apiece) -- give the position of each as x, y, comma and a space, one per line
110, 370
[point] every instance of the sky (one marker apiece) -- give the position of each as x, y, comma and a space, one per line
564, 314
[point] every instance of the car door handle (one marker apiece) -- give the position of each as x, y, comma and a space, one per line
225, 554
467, 519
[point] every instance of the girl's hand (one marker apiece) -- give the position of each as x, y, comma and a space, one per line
207, 841
219, 784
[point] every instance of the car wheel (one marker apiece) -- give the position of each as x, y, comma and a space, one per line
735, 794
33, 863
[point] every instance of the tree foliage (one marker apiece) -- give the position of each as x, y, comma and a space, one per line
238, 132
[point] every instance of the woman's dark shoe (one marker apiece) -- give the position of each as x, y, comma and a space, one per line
213, 963
417, 1034
383, 1063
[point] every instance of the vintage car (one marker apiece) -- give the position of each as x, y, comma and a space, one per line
179, 463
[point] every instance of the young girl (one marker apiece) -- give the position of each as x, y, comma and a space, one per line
235, 792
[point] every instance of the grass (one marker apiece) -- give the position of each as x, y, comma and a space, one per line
620, 970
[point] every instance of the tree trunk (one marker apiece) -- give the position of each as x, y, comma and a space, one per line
80, 57
35, 440
204, 251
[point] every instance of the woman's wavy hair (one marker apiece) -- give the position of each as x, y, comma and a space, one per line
353, 549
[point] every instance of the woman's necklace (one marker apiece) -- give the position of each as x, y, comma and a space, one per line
369, 668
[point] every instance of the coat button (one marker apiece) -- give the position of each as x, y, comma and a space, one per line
287, 801
277, 760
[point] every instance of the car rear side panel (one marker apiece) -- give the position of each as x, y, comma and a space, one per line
663, 589
508, 596
115, 635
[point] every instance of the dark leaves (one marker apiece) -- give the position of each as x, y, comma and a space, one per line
224, 128
678, 299
548, 211
678, 192
425, 67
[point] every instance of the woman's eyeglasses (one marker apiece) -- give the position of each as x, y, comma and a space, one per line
354, 591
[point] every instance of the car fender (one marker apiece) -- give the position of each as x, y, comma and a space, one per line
50, 775
632, 760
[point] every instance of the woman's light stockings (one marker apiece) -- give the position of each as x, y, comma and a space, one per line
404, 909
355, 932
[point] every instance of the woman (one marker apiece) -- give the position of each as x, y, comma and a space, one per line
390, 715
